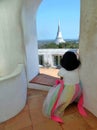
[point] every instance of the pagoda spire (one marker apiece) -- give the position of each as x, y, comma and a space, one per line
59, 38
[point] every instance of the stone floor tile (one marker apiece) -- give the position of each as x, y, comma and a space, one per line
48, 125
27, 128
94, 129
75, 122
71, 117
91, 120
76, 126
36, 102
26, 108
38, 117
2, 126
32, 92
32, 118
20, 121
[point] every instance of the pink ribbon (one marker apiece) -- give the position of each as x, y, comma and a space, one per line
54, 117
80, 106
80, 103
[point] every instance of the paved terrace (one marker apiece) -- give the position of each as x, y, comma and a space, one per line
31, 117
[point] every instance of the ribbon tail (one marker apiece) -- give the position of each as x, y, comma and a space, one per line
54, 117
57, 119
80, 107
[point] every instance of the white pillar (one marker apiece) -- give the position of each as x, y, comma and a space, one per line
11, 36
88, 53
18, 36
45, 59
30, 37
51, 60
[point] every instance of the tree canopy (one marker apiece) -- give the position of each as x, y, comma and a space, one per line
69, 44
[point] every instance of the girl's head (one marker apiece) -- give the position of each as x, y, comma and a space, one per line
70, 61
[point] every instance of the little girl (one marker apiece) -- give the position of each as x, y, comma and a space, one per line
67, 90
70, 75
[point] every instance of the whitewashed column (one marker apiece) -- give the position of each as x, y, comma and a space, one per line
51, 60
88, 53
11, 36
30, 36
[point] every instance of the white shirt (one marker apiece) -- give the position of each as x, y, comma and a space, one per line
69, 77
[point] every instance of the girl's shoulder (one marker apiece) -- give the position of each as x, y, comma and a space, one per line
72, 71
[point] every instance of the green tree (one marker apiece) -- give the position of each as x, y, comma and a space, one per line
69, 44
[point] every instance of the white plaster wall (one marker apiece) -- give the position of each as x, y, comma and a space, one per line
13, 93
11, 38
18, 36
30, 36
88, 53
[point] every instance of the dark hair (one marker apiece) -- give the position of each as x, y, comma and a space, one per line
70, 61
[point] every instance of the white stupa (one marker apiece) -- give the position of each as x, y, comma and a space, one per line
59, 38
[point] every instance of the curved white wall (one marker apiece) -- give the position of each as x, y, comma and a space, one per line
18, 45
18, 36
11, 37
30, 36
13, 93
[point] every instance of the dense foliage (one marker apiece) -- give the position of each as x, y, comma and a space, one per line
69, 44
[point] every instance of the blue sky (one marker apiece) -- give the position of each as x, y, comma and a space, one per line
51, 11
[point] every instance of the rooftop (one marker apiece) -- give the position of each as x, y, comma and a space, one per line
31, 117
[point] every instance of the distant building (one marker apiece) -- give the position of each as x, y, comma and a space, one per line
51, 57
59, 38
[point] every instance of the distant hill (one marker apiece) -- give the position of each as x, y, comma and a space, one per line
49, 41
70, 43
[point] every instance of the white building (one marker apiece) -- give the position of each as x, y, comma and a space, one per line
51, 57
